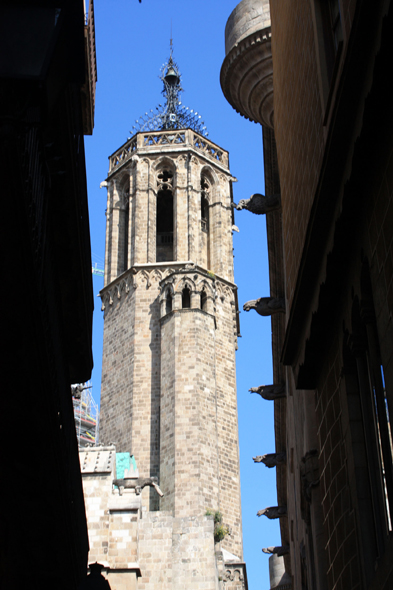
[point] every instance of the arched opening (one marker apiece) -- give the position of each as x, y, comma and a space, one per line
186, 298
204, 213
168, 302
205, 222
123, 246
164, 217
125, 233
203, 300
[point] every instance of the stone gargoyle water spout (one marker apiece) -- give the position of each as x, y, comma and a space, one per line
271, 459
137, 484
266, 306
270, 392
260, 204
277, 550
273, 512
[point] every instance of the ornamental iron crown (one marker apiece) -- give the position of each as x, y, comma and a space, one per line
173, 114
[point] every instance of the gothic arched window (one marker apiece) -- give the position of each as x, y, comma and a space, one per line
203, 300
205, 189
186, 298
205, 238
123, 246
168, 302
164, 216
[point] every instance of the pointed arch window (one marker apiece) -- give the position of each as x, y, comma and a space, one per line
168, 302
164, 216
123, 245
205, 237
203, 300
186, 298
205, 190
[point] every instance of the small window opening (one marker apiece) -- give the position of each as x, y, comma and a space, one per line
204, 205
186, 298
164, 219
168, 302
203, 300
126, 225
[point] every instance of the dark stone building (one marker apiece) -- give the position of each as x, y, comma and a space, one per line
322, 69
47, 86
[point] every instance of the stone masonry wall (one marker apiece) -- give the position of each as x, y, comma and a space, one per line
183, 371
189, 463
117, 373
139, 549
112, 519
299, 137
227, 426
199, 443
300, 107
130, 391
176, 553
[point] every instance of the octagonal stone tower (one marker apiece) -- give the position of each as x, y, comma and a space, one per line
170, 323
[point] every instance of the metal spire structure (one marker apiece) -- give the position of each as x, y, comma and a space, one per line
173, 114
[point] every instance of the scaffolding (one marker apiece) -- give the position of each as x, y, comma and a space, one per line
85, 414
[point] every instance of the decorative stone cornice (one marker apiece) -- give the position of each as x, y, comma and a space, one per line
151, 274
182, 141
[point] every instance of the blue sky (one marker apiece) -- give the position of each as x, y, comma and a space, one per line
132, 44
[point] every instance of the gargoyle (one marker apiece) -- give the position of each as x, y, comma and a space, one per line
270, 392
76, 390
273, 512
259, 204
309, 472
279, 550
138, 484
272, 459
266, 306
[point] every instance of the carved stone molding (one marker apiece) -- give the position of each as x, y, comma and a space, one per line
196, 279
131, 281
224, 291
234, 576
247, 77
180, 160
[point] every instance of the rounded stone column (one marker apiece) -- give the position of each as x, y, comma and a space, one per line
247, 71
279, 579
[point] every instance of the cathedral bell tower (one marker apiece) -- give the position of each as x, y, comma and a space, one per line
170, 315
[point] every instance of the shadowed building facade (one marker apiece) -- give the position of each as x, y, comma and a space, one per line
321, 93
47, 90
